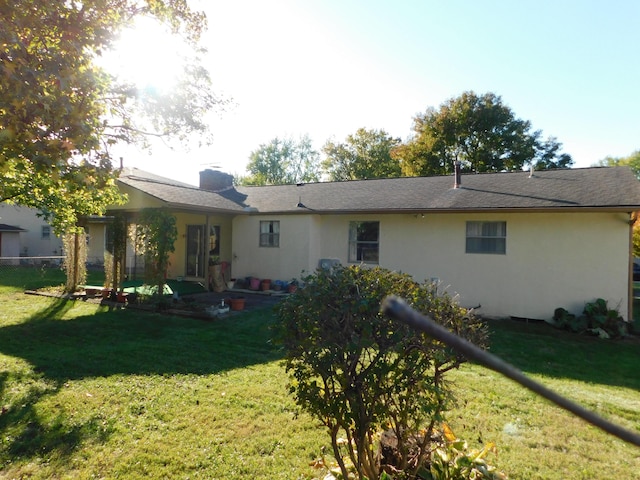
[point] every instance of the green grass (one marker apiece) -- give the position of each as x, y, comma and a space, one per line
536, 439
96, 393
122, 394
19, 278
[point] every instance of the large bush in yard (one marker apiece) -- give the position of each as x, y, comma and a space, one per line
365, 376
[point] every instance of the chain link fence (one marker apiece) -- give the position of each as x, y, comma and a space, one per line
42, 271
8, 263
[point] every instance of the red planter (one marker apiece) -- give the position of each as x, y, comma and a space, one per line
236, 303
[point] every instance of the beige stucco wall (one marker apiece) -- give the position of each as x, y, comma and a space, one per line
97, 242
136, 200
552, 259
300, 242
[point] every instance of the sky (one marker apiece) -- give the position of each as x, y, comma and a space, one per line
325, 68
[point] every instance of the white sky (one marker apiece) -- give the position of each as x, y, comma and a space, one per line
328, 67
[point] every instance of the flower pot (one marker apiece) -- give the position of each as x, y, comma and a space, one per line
236, 303
265, 284
292, 288
231, 284
254, 283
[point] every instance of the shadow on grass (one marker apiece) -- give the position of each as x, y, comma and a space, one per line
136, 342
538, 348
108, 343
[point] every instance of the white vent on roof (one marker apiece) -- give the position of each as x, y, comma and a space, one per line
328, 263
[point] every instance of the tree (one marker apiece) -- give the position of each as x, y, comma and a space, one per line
366, 154
60, 112
359, 372
632, 161
283, 161
156, 234
482, 133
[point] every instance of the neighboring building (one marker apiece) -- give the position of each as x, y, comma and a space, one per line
35, 236
10, 244
514, 243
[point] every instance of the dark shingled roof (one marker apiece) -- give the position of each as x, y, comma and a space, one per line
10, 228
614, 188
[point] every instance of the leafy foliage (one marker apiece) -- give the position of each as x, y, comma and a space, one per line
75, 259
632, 161
156, 234
116, 250
365, 154
60, 112
283, 161
597, 319
482, 133
360, 372
452, 460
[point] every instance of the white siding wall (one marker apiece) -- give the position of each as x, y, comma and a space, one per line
552, 260
32, 240
10, 247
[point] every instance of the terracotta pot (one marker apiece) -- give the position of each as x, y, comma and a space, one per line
265, 284
236, 303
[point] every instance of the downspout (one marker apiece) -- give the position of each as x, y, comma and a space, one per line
633, 218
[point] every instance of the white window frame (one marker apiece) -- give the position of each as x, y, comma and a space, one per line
46, 232
269, 233
363, 250
486, 237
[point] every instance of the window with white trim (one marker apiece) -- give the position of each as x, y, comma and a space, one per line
364, 242
269, 233
487, 237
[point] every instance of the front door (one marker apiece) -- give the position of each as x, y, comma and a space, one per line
196, 249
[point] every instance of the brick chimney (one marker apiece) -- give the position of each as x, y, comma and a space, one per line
215, 181
457, 175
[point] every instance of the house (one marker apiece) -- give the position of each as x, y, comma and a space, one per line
25, 234
516, 244
10, 244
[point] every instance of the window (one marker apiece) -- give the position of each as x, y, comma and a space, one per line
270, 233
487, 237
364, 241
46, 232
196, 250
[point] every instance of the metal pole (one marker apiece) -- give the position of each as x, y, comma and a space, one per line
397, 308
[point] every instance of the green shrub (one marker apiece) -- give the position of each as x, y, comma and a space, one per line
453, 460
597, 319
361, 373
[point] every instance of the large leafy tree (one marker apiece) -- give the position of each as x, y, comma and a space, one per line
482, 133
60, 112
365, 154
632, 161
283, 161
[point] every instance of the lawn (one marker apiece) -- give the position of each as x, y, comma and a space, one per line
89, 392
